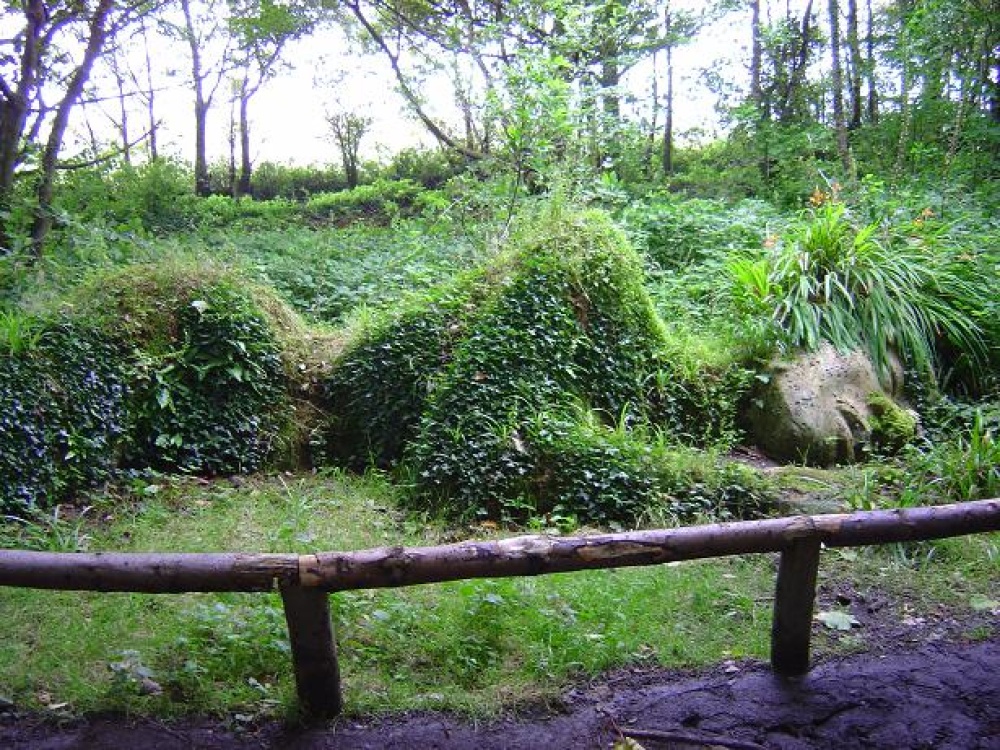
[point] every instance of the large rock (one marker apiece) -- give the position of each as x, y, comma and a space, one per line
826, 408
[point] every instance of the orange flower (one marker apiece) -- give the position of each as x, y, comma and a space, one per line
818, 198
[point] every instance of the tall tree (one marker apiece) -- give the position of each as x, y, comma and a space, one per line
348, 129
756, 58
40, 61
872, 85
203, 28
262, 29
837, 84
856, 65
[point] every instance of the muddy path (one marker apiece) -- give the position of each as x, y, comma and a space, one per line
940, 695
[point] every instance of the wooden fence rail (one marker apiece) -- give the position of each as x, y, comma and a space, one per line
305, 580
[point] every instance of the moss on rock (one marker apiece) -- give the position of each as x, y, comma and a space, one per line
892, 426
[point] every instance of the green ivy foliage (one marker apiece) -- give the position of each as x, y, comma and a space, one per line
379, 387
522, 389
208, 388
172, 367
62, 416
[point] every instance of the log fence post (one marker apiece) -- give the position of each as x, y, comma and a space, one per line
314, 651
794, 595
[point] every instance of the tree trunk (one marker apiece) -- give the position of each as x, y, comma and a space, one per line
14, 112
856, 64
654, 97
905, 83
800, 64
246, 166
994, 91
756, 58
837, 82
122, 109
405, 89
232, 137
202, 185
43, 213
668, 125
150, 96
870, 67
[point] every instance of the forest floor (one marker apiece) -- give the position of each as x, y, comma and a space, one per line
941, 693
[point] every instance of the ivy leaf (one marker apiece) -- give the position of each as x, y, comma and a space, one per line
836, 619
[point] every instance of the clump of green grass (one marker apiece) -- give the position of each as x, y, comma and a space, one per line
858, 287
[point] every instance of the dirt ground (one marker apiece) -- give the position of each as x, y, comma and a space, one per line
940, 695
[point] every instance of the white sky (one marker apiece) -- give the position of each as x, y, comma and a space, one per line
287, 115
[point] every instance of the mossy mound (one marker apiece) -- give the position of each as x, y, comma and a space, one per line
62, 416
208, 390
175, 366
518, 389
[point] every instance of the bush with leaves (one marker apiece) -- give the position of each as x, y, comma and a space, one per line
62, 412
860, 287
676, 233
208, 390
378, 203
521, 389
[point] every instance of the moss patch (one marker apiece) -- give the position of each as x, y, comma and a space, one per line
892, 426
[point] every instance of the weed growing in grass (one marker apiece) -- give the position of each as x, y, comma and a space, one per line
52, 530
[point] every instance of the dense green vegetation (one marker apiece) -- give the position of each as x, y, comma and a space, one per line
555, 322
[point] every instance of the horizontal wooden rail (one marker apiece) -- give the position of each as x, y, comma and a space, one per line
304, 580
163, 573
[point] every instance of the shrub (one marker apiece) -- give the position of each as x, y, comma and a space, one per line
518, 390
830, 280
676, 233
379, 203
155, 197
62, 415
270, 180
208, 391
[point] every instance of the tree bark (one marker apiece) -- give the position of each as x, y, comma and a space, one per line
756, 58
799, 67
870, 67
202, 185
14, 111
856, 65
905, 83
150, 96
246, 166
837, 84
668, 125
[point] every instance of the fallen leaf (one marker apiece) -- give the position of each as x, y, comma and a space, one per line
981, 603
836, 619
627, 743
